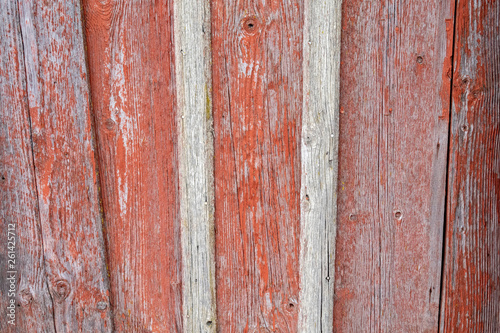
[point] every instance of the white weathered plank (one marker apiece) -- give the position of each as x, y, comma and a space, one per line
193, 73
319, 148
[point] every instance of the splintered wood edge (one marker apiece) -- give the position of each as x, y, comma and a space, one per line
193, 81
319, 152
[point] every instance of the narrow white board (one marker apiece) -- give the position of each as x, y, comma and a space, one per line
193, 80
319, 151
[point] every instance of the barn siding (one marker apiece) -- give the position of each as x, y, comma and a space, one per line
19, 202
257, 102
195, 128
213, 135
319, 150
64, 166
394, 111
132, 66
471, 294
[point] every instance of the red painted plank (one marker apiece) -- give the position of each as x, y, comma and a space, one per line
257, 101
63, 150
131, 61
471, 294
26, 307
394, 105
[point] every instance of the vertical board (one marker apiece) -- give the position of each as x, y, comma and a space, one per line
319, 150
257, 102
131, 62
394, 107
471, 289
28, 302
193, 79
63, 151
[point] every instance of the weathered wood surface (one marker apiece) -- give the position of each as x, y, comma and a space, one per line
193, 79
18, 197
257, 106
131, 62
63, 150
319, 150
471, 289
259, 168
394, 107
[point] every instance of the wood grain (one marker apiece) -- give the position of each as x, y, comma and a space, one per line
257, 101
33, 310
319, 151
63, 150
193, 78
471, 289
132, 67
394, 110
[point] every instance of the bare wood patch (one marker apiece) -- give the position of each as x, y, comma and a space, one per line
195, 128
319, 163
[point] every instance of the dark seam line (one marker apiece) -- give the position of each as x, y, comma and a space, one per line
446, 194
95, 142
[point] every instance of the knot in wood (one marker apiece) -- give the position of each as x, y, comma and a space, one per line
250, 25
26, 297
61, 290
110, 124
102, 305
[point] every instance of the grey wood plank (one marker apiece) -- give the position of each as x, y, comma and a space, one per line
195, 123
319, 158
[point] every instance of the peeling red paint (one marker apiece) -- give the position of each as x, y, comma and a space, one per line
471, 295
257, 84
394, 102
131, 62
63, 154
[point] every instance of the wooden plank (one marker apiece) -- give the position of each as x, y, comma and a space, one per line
257, 102
394, 110
63, 149
193, 79
319, 150
131, 61
27, 306
471, 288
